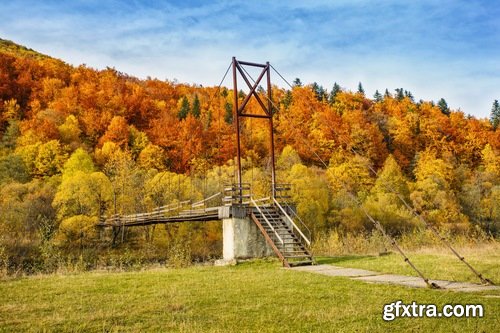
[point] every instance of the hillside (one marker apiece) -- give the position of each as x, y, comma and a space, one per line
78, 143
9, 47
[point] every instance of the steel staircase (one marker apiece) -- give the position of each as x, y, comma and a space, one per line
281, 233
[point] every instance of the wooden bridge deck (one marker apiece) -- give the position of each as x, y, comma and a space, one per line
133, 220
206, 210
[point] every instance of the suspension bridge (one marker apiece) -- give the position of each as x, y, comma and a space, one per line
274, 217
251, 226
254, 227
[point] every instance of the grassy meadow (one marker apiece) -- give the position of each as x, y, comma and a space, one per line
436, 262
253, 296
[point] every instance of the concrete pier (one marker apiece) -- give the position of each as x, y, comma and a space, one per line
242, 240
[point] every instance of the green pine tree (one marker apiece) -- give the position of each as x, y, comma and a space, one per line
196, 111
377, 96
333, 93
287, 99
443, 106
319, 91
409, 95
184, 110
495, 114
11, 134
399, 94
228, 116
360, 89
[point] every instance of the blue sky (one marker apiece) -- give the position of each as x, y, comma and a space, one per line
434, 48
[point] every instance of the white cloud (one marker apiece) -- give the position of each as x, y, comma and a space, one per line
434, 49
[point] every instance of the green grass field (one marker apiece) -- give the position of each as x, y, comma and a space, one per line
257, 296
435, 263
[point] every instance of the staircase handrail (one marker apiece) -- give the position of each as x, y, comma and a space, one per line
292, 222
267, 221
309, 233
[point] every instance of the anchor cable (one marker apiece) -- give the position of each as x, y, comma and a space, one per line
410, 208
377, 224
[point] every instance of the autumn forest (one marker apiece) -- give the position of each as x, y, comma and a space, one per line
77, 144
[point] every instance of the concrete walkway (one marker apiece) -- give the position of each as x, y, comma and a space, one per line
376, 277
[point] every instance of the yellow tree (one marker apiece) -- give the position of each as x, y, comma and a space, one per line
310, 194
350, 173
42, 159
350, 182
432, 195
151, 157
167, 188
82, 191
81, 199
70, 132
480, 194
491, 161
138, 141
384, 203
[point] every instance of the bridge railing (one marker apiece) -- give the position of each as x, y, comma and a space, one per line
234, 194
156, 213
207, 205
177, 209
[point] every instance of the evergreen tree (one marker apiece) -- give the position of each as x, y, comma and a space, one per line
377, 96
11, 134
409, 95
297, 82
399, 94
12, 168
224, 93
319, 91
196, 107
443, 106
387, 93
184, 110
287, 100
228, 116
495, 114
333, 93
360, 89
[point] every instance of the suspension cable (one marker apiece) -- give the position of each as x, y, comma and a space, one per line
281, 76
433, 229
379, 226
376, 223
217, 91
409, 207
223, 78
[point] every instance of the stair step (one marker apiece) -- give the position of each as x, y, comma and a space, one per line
283, 236
300, 263
287, 237
278, 229
270, 218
